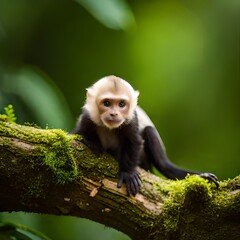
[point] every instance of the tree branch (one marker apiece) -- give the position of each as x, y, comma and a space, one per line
49, 171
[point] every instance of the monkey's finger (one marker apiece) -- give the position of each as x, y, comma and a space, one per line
210, 177
120, 181
132, 187
138, 179
128, 186
136, 183
214, 180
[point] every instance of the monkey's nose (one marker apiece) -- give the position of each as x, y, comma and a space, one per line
113, 114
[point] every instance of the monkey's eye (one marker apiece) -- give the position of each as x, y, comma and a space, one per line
106, 103
122, 104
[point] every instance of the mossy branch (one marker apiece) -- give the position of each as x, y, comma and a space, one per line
49, 171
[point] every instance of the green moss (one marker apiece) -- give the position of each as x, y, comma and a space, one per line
3, 117
59, 157
227, 197
55, 149
194, 202
182, 195
104, 164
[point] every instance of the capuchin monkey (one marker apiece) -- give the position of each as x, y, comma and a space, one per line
112, 122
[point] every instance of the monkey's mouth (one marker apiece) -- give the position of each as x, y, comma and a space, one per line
112, 122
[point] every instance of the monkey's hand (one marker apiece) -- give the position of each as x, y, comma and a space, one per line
132, 181
210, 177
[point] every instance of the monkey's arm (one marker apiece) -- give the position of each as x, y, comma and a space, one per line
128, 160
87, 128
156, 154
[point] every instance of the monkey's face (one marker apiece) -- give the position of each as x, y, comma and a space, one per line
113, 111
111, 101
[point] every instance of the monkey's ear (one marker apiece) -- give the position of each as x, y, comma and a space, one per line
137, 93
90, 92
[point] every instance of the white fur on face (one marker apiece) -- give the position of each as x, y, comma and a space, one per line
109, 85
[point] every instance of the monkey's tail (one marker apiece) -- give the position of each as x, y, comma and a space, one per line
156, 153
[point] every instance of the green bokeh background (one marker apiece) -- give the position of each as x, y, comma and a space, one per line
183, 57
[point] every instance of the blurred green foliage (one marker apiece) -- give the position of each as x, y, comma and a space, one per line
182, 55
10, 231
9, 113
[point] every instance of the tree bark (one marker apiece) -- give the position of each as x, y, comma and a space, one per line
49, 171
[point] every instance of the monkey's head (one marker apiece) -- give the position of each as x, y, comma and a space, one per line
111, 101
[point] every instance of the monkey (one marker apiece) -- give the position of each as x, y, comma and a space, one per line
112, 121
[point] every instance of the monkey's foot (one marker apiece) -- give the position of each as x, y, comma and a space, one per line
132, 181
210, 177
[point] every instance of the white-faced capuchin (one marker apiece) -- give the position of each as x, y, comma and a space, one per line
111, 121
